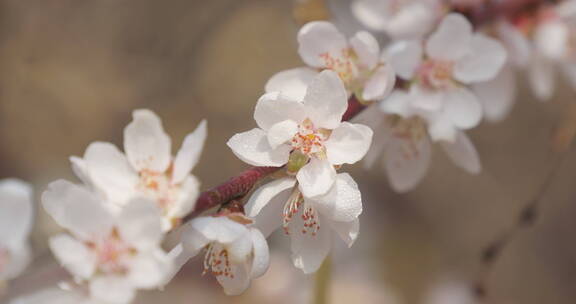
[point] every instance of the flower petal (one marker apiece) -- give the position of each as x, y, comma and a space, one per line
140, 225
326, 100
406, 162
552, 39
441, 128
240, 249
20, 257
75, 208
16, 215
316, 178
498, 95
189, 191
291, 83
239, 282
189, 153
267, 203
451, 40
343, 203
366, 48
348, 143
281, 133
275, 107
309, 251
253, 148
145, 142
463, 108
371, 13
261, 254
542, 77
218, 229
348, 231
518, 46
428, 100
73, 255
112, 289
317, 38
405, 56
483, 62
380, 84
148, 270
463, 153
399, 103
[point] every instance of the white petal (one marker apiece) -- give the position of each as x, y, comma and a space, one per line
406, 162
366, 48
316, 178
498, 95
371, 13
81, 171
240, 249
261, 254
186, 201
219, 229
253, 148
275, 107
405, 56
291, 83
281, 133
139, 224
193, 241
20, 257
542, 77
348, 231
326, 100
239, 282
73, 255
149, 270
463, 153
517, 44
552, 39
451, 40
428, 100
413, 19
484, 60
265, 193
399, 103
112, 289
308, 251
441, 128
110, 171
77, 209
145, 142
317, 38
348, 143
343, 202
463, 108
380, 84
189, 153
16, 215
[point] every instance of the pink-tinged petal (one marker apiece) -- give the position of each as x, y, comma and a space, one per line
463, 108
463, 153
74, 255
498, 95
189, 153
542, 77
77, 209
260, 252
291, 83
112, 289
275, 107
380, 84
348, 231
145, 142
316, 178
343, 203
253, 148
516, 43
483, 62
451, 40
139, 224
16, 214
348, 143
20, 258
149, 270
308, 250
405, 56
326, 100
318, 38
267, 203
366, 48
406, 162
239, 282
281, 133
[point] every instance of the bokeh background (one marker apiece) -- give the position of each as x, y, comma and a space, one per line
72, 71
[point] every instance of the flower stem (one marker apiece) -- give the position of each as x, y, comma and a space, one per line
322, 282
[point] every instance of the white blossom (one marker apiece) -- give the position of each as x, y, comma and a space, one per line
309, 133
236, 252
16, 219
147, 169
115, 254
357, 61
309, 221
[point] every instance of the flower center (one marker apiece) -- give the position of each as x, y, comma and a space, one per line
344, 65
217, 262
308, 215
159, 187
435, 74
309, 140
112, 253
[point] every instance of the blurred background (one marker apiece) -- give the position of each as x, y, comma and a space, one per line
71, 72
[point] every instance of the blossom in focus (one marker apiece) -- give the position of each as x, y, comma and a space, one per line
357, 62
400, 19
309, 221
306, 135
236, 252
16, 218
147, 169
115, 254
